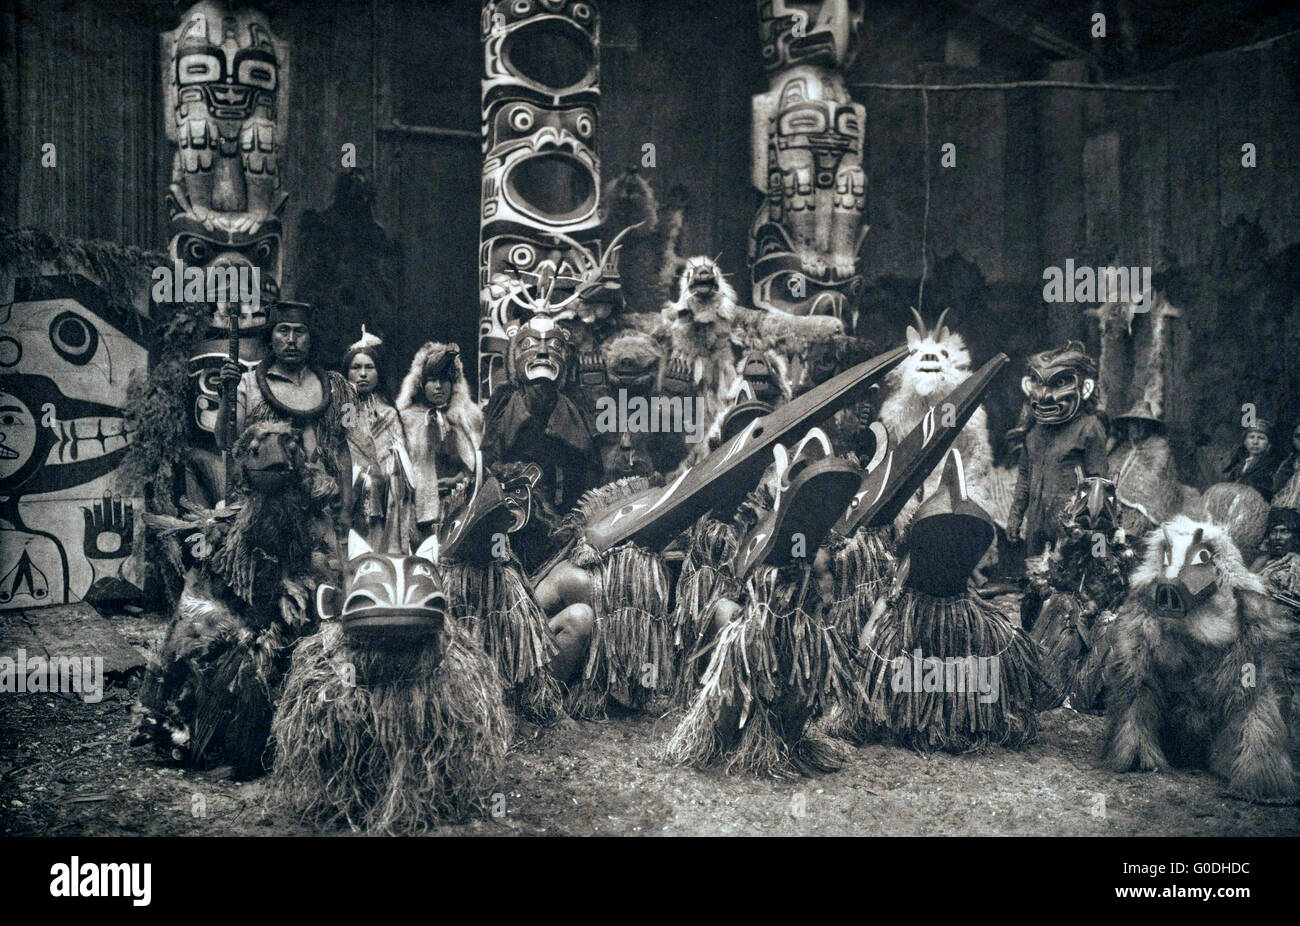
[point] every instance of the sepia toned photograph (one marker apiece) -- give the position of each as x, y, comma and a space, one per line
850, 418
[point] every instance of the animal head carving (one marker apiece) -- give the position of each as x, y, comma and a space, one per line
518, 485
386, 597
270, 456
1185, 564
937, 359
704, 297
1092, 506
632, 360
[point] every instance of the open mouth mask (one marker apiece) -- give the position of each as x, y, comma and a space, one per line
540, 350
270, 456
1059, 382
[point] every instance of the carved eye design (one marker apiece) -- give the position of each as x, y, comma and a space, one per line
521, 255
256, 74
197, 251
585, 125
198, 69
367, 568
521, 119
1201, 557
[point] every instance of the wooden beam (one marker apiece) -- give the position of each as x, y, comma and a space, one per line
1026, 27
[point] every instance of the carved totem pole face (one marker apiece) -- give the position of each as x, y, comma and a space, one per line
226, 91
541, 173
807, 160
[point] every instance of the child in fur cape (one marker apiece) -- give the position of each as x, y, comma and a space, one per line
444, 427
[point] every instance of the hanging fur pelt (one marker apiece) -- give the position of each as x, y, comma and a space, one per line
772, 670
497, 605
1196, 668
631, 657
390, 741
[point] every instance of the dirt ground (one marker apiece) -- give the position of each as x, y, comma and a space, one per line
66, 769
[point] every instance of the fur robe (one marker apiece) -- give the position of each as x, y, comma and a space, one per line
1208, 687
1146, 483
456, 434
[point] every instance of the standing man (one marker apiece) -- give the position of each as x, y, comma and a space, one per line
285, 386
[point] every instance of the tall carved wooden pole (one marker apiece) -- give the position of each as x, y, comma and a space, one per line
225, 86
541, 174
807, 161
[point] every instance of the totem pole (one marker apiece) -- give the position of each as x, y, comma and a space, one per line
226, 91
539, 248
807, 161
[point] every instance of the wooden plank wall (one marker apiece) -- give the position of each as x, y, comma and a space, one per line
1027, 190
83, 76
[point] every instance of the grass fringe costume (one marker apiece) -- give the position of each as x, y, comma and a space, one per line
631, 656
610, 557
487, 590
778, 663
932, 613
393, 718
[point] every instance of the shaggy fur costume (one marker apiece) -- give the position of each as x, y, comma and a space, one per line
207, 694
648, 260
696, 330
390, 741
1206, 687
455, 435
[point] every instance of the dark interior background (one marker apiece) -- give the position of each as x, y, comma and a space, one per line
1149, 178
